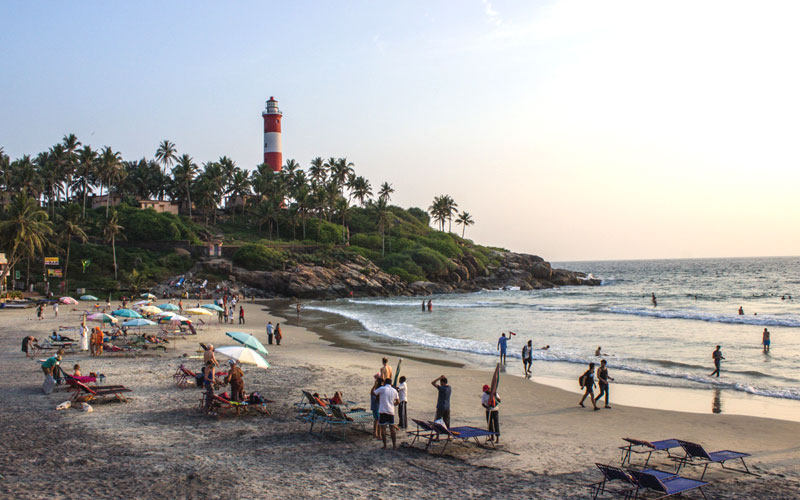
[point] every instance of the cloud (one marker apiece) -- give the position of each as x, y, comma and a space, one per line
491, 15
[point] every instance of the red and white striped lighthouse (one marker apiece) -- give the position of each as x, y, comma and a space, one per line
273, 154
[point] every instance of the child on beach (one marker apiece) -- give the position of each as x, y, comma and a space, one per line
76, 370
587, 382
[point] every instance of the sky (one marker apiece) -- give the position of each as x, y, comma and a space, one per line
575, 130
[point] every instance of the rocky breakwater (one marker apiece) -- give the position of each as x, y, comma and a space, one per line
358, 277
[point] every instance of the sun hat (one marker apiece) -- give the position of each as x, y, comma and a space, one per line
485, 388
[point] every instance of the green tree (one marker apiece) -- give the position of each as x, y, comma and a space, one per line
465, 219
166, 154
386, 191
184, 173
25, 231
111, 231
109, 171
85, 173
70, 228
383, 216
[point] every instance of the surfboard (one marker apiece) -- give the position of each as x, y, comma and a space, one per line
397, 372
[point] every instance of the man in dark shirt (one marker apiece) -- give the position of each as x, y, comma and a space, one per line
443, 401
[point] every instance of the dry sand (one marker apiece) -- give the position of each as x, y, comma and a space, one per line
159, 445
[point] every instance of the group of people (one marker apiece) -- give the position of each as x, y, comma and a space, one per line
234, 377
274, 332
587, 383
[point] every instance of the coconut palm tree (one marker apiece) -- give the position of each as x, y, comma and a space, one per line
386, 191
71, 144
340, 170
70, 224
465, 219
317, 171
183, 173
24, 178
451, 209
111, 231
25, 232
383, 216
361, 189
166, 154
438, 210
239, 186
85, 172
109, 171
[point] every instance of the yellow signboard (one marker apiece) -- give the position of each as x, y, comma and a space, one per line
51, 261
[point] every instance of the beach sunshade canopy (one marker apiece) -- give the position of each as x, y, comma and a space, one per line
101, 318
168, 307
126, 313
212, 307
148, 296
242, 355
143, 303
139, 322
89, 297
150, 310
174, 319
67, 300
198, 311
248, 340
164, 314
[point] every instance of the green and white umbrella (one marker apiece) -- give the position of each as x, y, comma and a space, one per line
212, 307
168, 307
148, 296
139, 322
89, 297
248, 340
126, 313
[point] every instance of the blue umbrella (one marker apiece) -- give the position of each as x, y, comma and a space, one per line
89, 297
248, 340
126, 313
139, 322
212, 307
168, 307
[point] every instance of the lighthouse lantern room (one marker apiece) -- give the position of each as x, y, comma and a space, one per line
273, 154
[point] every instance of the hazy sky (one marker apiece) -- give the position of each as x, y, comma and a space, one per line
573, 130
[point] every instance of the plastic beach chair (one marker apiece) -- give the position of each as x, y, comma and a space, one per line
667, 486
697, 455
649, 447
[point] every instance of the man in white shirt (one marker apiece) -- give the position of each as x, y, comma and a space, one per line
387, 400
402, 408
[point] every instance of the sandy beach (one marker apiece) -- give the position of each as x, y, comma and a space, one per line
158, 445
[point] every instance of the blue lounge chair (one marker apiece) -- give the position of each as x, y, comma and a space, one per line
424, 431
464, 433
344, 419
612, 474
667, 486
696, 452
638, 446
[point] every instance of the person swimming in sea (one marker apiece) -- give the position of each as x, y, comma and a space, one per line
741, 311
653, 299
598, 351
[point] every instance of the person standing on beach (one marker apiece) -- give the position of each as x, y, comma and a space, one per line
278, 334
717, 357
209, 355
374, 406
443, 400
602, 381
386, 370
270, 328
55, 309
502, 345
765, 340
492, 414
527, 358
241, 315
27, 345
387, 400
298, 309
49, 369
587, 382
209, 374
402, 408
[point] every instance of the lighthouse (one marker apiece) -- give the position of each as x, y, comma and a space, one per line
273, 155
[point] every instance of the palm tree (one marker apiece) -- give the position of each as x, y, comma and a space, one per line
184, 173
24, 177
361, 189
386, 191
166, 154
340, 171
384, 219
465, 219
438, 210
239, 186
25, 231
109, 171
111, 230
317, 170
451, 209
71, 144
71, 228
86, 173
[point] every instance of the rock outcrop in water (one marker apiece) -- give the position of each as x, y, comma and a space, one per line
359, 277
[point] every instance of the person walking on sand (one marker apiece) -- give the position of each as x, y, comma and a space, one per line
270, 329
765, 340
386, 370
387, 400
587, 382
402, 408
55, 309
443, 399
502, 345
278, 334
717, 357
527, 358
241, 315
602, 381
492, 414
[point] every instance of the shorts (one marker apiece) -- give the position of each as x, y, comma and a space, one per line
766, 342
375, 415
527, 360
386, 419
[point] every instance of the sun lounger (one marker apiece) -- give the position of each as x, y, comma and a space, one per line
628, 486
221, 405
640, 447
86, 393
344, 419
424, 431
434, 432
696, 455
666, 486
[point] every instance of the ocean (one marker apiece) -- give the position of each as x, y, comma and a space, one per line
668, 345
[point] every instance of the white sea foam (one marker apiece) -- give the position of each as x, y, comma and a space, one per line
407, 333
789, 320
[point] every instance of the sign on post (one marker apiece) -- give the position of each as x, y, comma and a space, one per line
51, 261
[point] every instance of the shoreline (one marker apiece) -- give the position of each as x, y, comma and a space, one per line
711, 400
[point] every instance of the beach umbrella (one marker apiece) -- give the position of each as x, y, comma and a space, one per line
212, 307
168, 307
248, 340
139, 322
198, 311
174, 318
148, 296
101, 318
143, 303
150, 310
89, 297
242, 355
164, 314
67, 300
126, 313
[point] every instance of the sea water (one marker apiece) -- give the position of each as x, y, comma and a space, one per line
668, 344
